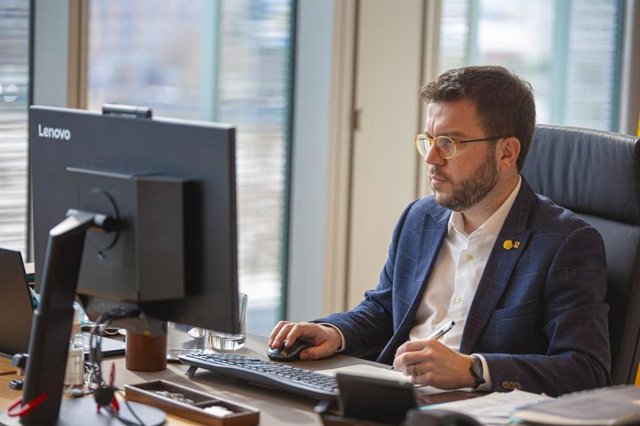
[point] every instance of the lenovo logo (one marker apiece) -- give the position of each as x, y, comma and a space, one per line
53, 133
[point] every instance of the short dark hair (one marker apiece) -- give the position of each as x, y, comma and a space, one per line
504, 102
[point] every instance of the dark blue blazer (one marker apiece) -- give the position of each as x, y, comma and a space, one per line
538, 315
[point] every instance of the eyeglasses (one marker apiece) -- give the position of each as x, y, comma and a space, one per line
445, 145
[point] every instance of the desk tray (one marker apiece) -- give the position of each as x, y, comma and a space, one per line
146, 393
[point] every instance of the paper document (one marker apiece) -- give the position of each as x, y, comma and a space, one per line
369, 371
494, 408
615, 405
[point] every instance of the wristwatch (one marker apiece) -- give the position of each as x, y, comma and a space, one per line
477, 370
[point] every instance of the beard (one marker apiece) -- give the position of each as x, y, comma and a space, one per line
471, 190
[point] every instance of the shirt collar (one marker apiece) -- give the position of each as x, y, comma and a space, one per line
494, 223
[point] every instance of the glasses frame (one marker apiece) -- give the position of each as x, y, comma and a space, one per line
424, 142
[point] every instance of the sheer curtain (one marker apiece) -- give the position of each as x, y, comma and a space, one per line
14, 98
568, 50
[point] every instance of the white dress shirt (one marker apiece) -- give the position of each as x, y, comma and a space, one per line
456, 275
455, 278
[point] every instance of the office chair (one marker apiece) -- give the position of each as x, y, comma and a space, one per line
596, 174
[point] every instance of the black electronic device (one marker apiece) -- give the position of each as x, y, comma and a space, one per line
16, 308
373, 399
288, 354
156, 199
266, 373
16, 311
170, 183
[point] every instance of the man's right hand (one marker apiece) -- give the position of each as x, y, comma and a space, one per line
325, 339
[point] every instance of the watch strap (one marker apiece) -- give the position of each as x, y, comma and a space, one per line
477, 371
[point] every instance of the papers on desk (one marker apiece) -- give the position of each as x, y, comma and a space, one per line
615, 405
368, 371
492, 409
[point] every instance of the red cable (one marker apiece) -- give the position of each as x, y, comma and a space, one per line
24, 409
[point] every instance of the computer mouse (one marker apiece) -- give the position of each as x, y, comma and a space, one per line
288, 354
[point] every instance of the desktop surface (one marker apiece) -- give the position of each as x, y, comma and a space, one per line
276, 408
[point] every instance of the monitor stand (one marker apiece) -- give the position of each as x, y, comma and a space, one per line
51, 326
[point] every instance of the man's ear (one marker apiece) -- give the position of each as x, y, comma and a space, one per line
507, 152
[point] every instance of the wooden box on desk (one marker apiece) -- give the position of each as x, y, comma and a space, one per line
147, 393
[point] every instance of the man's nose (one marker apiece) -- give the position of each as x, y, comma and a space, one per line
433, 156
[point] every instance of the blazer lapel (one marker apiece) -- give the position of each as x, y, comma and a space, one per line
505, 254
434, 231
431, 240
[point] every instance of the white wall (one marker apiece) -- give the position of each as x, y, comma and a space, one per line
351, 180
385, 162
361, 63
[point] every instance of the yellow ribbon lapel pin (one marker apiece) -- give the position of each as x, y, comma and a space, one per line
509, 244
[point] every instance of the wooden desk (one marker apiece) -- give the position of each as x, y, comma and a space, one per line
276, 408
7, 373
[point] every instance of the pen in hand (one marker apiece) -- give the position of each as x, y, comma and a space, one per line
442, 330
439, 332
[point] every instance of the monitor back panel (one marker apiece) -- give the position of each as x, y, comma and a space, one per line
204, 153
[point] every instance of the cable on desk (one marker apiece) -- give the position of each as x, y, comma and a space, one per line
104, 394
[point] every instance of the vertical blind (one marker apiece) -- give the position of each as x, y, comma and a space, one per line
14, 76
568, 49
593, 64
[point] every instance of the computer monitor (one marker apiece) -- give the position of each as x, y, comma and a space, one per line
168, 190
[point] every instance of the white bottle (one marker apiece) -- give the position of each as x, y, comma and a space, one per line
74, 374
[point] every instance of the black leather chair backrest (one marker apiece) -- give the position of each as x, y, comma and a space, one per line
597, 175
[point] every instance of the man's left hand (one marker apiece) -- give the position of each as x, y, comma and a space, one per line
429, 362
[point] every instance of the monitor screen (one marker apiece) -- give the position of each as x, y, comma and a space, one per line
170, 184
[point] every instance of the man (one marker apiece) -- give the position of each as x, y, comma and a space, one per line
523, 279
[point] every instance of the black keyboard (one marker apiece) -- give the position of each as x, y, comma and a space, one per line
267, 373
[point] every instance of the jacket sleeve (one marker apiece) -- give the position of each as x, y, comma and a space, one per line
368, 327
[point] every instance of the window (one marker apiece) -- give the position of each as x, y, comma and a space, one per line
14, 98
225, 61
568, 50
